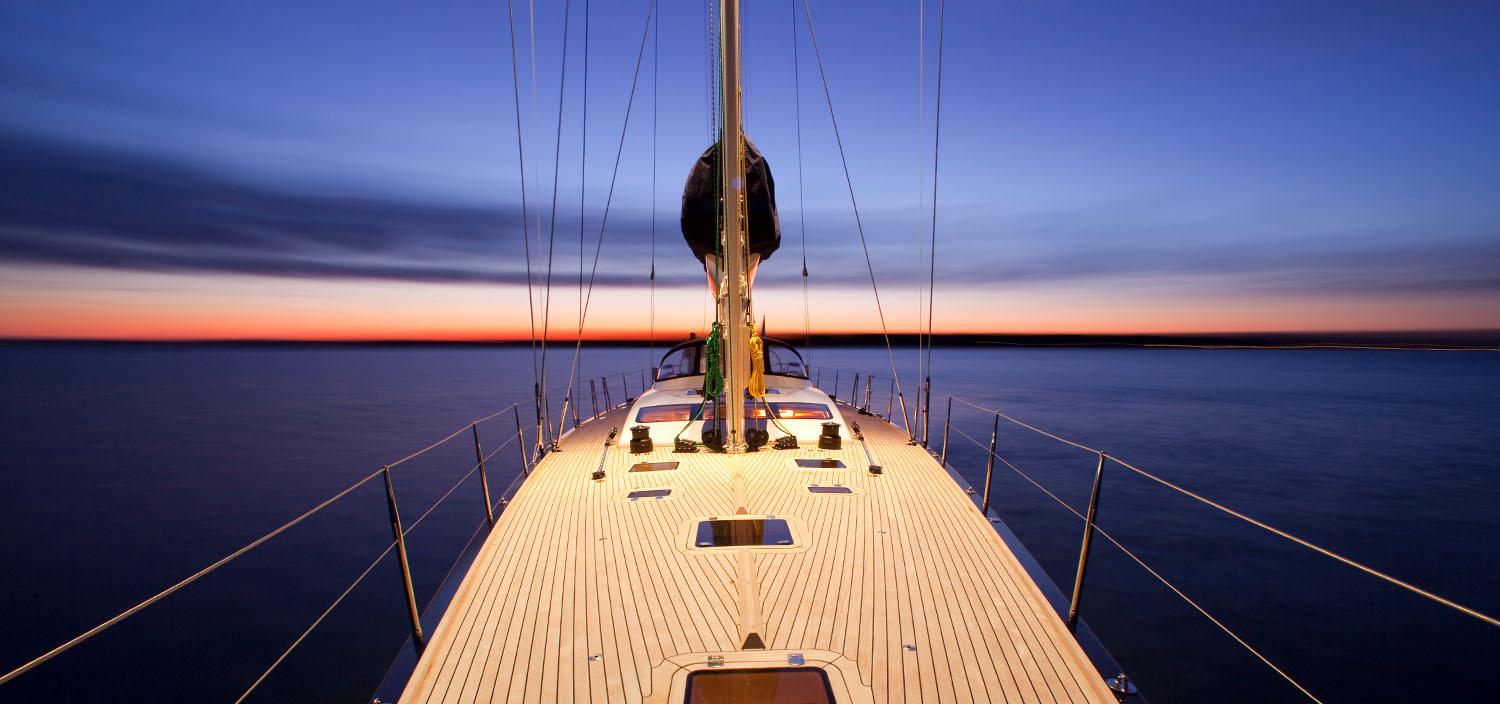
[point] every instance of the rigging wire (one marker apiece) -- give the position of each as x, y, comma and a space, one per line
801, 194
536, 379
583, 161
541, 382
587, 298
937, 134
921, 179
858, 223
562, 92
655, 95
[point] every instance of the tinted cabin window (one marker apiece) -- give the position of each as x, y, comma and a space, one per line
653, 466
782, 360
819, 463
680, 362
782, 685
743, 532
682, 412
650, 494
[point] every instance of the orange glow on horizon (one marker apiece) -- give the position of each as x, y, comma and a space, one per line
91, 304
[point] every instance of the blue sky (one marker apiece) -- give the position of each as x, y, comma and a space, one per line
1104, 166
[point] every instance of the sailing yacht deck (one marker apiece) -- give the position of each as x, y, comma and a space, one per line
900, 590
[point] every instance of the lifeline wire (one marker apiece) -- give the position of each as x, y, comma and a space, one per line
858, 223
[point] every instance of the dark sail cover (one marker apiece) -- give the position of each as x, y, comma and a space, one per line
700, 217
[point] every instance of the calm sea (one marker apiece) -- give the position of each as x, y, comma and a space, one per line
127, 468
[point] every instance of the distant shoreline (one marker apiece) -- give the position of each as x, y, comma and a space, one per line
1459, 340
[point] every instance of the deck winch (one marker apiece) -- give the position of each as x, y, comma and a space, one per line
830, 439
640, 439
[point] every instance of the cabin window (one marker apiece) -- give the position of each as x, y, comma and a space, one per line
683, 412
668, 413
830, 489
779, 685
792, 410
680, 362
743, 532
649, 494
819, 463
782, 360
653, 466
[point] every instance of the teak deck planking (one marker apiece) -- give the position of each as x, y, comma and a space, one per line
901, 589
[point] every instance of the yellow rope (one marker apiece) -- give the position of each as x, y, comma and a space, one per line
757, 386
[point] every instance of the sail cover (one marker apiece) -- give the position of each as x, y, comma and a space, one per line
700, 217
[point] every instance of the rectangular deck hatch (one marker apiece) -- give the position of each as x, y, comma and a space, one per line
830, 489
819, 463
652, 466
780, 685
743, 532
649, 494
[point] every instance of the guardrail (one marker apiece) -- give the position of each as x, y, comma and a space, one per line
860, 398
544, 441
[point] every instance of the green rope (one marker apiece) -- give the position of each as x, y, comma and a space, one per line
713, 374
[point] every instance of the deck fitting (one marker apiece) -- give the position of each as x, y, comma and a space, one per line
1121, 686
640, 439
830, 439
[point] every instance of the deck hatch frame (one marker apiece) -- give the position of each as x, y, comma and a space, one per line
743, 532
830, 490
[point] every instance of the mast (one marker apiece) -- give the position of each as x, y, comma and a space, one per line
734, 301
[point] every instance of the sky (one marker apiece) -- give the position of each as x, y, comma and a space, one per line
288, 169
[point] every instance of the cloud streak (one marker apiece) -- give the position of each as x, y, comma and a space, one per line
78, 205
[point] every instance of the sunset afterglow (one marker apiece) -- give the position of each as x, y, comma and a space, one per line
1117, 170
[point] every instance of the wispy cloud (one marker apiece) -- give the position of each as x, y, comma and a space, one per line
92, 206
87, 206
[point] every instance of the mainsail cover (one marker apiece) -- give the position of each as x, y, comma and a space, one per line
700, 203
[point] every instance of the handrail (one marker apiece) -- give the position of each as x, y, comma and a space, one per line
221, 562
1106, 459
96, 630
1131, 554
1469, 611
392, 546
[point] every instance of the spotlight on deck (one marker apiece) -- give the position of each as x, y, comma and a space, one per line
830, 439
640, 439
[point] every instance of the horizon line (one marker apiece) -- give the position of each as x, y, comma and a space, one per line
1478, 339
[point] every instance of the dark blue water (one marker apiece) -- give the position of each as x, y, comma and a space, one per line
127, 468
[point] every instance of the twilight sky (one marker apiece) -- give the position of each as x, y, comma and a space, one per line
345, 170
